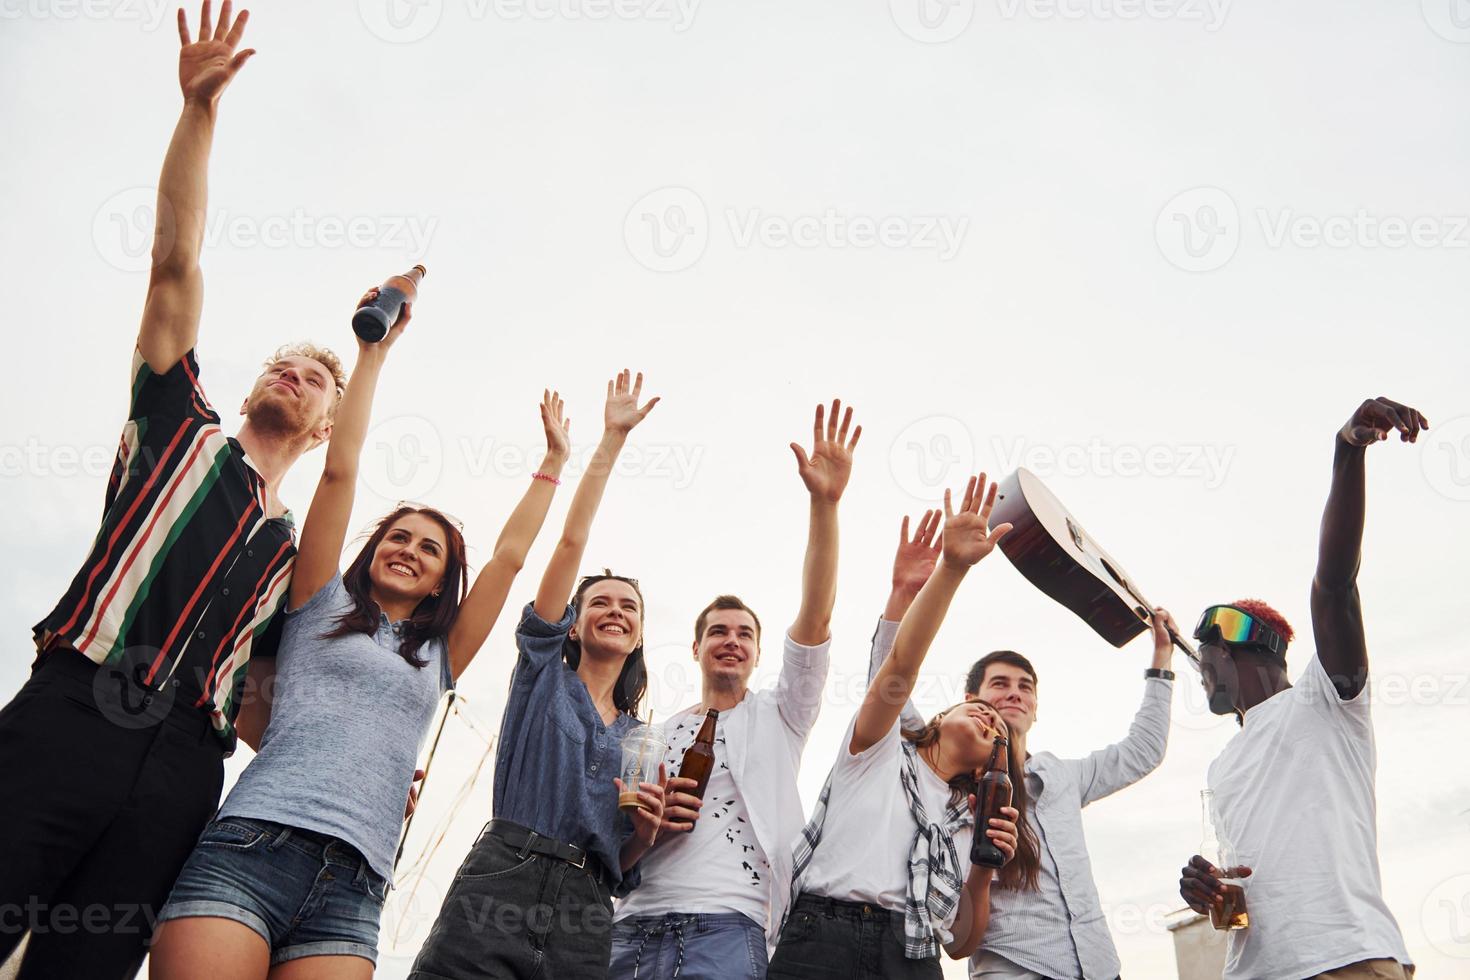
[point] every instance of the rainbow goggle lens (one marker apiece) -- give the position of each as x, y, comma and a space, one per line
1240, 627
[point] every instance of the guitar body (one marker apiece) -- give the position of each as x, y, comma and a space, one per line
1049, 547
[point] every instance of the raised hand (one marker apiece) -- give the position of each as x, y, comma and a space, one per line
558, 429
1377, 417
827, 470
405, 314
915, 559
1164, 630
968, 536
207, 65
622, 413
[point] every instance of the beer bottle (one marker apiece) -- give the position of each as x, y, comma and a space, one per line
994, 792
699, 759
373, 321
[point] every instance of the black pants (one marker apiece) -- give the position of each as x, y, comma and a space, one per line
102, 808
827, 938
510, 916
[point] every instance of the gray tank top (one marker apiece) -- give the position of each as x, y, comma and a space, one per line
349, 719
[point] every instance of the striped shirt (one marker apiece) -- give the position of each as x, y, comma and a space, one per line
188, 566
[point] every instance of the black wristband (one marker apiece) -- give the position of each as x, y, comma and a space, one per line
1159, 672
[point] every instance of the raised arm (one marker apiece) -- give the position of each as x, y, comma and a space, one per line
170, 325
482, 606
1337, 614
912, 565
825, 473
620, 415
1109, 769
967, 539
325, 529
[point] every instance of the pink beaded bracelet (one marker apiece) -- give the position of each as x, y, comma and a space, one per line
547, 477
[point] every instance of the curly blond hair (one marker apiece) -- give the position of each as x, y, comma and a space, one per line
322, 355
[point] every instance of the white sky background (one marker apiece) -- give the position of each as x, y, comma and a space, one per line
1084, 316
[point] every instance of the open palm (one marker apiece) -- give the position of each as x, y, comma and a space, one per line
968, 536
207, 64
558, 427
622, 412
914, 562
827, 470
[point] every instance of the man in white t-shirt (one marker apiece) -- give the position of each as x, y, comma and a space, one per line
1294, 789
715, 886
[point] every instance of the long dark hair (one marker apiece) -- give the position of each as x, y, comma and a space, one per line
434, 614
632, 681
1021, 871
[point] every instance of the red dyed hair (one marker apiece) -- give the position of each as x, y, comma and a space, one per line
1268, 615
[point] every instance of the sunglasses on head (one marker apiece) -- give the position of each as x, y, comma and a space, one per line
1237, 626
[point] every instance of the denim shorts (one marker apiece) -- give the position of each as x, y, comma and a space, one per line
306, 893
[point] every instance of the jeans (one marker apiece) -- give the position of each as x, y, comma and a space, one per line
723, 946
828, 939
511, 915
103, 810
306, 894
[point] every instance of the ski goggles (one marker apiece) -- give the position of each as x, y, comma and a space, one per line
1239, 627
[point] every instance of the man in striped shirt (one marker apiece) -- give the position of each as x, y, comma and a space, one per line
113, 750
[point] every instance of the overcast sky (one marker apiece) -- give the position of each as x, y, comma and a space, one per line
1157, 252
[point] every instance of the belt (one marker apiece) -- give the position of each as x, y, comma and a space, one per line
527, 841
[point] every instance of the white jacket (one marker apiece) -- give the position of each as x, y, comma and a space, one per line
764, 738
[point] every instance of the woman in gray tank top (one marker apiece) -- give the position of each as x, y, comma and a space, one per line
297, 863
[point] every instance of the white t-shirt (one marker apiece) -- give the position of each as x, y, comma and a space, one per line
719, 866
863, 855
1295, 794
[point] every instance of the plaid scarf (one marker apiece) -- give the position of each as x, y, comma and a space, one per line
935, 876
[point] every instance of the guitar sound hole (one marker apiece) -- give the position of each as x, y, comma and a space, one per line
1112, 571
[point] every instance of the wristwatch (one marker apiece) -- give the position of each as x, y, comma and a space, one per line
1167, 675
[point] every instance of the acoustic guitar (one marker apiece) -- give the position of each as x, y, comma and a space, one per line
1049, 547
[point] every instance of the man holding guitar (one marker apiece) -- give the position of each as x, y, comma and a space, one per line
1294, 789
1057, 930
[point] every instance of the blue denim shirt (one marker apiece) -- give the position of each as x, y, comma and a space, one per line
556, 761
